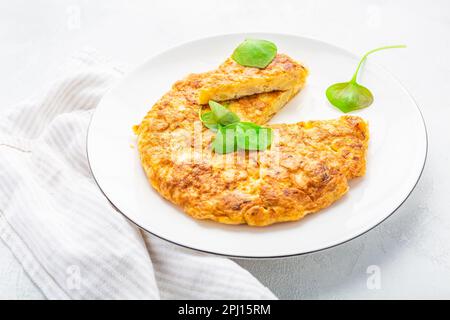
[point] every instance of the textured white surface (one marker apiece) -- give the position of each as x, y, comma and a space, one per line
411, 250
65, 233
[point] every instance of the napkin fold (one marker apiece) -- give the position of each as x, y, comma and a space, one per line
61, 228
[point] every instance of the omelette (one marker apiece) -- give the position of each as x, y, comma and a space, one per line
231, 80
306, 168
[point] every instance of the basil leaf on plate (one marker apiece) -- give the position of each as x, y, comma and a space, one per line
255, 53
350, 96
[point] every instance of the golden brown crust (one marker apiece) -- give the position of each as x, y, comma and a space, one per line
306, 168
343, 141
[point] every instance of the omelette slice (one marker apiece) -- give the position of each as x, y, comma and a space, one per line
260, 108
305, 170
232, 81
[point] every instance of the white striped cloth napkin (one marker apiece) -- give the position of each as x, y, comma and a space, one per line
66, 235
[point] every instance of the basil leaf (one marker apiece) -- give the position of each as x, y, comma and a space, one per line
255, 53
209, 120
225, 141
255, 137
222, 115
350, 96
265, 138
231, 133
242, 136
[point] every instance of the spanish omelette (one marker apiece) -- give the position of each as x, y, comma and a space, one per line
305, 170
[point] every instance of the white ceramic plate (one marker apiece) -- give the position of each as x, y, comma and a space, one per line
396, 157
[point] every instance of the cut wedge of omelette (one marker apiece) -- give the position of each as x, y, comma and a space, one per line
306, 168
231, 80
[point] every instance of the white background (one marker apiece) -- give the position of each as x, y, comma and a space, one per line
411, 250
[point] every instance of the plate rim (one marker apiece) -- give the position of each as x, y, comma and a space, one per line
134, 70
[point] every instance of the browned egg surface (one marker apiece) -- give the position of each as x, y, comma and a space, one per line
305, 169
